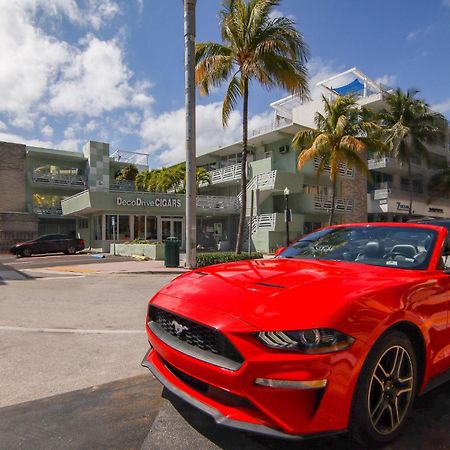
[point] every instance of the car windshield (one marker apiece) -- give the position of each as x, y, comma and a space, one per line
396, 247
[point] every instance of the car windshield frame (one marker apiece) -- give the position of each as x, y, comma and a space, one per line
319, 246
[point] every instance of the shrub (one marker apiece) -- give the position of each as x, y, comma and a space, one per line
207, 259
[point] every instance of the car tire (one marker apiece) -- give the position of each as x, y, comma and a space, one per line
71, 250
385, 391
26, 252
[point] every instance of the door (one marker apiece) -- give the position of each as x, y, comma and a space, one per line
172, 227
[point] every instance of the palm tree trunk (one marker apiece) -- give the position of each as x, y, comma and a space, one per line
333, 200
243, 211
410, 190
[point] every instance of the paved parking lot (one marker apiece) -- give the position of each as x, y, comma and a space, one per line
71, 347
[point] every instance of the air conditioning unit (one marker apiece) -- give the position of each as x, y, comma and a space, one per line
284, 149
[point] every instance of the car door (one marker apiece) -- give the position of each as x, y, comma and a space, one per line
60, 243
41, 245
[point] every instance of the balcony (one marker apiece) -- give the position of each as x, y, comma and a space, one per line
51, 179
46, 210
122, 185
391, 165
217, 203
344, 171
313, 203
322, 203
225, 174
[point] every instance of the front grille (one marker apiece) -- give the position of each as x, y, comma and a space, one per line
194, 339
212, 392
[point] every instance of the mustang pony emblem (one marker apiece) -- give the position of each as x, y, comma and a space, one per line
178, 328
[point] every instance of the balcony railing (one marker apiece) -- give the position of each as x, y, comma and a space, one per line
59, 180
386, 161
45, 210
323, 203
224, 174
217, 203
344, 171
263, 221
122, 185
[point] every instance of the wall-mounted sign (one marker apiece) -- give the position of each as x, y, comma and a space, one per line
155, 203
402, 207
436, 210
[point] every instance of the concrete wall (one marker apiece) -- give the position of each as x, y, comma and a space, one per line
97, 154
12, 177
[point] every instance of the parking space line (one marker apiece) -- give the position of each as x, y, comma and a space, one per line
68, 330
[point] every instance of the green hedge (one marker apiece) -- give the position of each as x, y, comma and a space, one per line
207, 259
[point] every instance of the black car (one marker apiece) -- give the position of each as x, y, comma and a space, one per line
49, 243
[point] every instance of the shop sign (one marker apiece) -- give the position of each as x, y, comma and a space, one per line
402, 207
155, 203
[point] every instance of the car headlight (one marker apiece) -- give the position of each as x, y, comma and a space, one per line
313, 341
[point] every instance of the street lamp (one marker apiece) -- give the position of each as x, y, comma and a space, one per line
287, 213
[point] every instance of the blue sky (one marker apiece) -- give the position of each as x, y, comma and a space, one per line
112, 70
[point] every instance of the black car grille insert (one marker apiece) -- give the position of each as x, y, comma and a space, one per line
194, 339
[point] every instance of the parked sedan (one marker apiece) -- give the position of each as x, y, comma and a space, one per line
49, 243
340, 332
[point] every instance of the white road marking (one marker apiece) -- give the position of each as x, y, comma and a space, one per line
59, 278
68, 330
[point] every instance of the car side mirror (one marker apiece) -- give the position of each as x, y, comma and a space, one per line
280, 250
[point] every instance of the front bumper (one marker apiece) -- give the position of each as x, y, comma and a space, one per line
151, 362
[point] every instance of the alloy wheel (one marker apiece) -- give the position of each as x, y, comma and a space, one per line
390, 390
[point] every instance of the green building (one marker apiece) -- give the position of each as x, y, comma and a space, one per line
53, 191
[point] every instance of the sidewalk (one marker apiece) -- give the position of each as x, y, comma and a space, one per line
116, 267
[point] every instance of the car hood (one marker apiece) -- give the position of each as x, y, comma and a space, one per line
274, 293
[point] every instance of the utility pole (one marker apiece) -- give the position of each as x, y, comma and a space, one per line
189, 84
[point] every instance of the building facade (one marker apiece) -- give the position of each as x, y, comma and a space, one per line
53, 191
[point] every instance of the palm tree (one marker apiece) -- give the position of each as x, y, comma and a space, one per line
255, 46
344, 133
142, 180
202, 177
410, 125
129, 172
439, 185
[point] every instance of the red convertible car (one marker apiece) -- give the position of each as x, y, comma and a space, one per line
339, 332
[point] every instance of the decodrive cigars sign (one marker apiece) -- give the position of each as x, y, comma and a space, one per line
153, 203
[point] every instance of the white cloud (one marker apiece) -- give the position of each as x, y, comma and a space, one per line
411, 35
69, 133
166, 132
442, 107
277, 13
3, 125
387, 80
446, 3
47, 131
12, 137
72, 145
95, 81
24, 120
39, 72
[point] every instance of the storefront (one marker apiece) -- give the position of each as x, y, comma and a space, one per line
109, 217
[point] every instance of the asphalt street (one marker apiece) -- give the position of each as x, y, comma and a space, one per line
58, 334
70, 352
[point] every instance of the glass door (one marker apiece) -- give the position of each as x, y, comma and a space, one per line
172, 227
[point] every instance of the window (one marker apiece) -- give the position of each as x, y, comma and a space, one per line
152, 228
83, 224
315, 189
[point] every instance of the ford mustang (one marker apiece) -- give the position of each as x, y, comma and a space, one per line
340, 332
